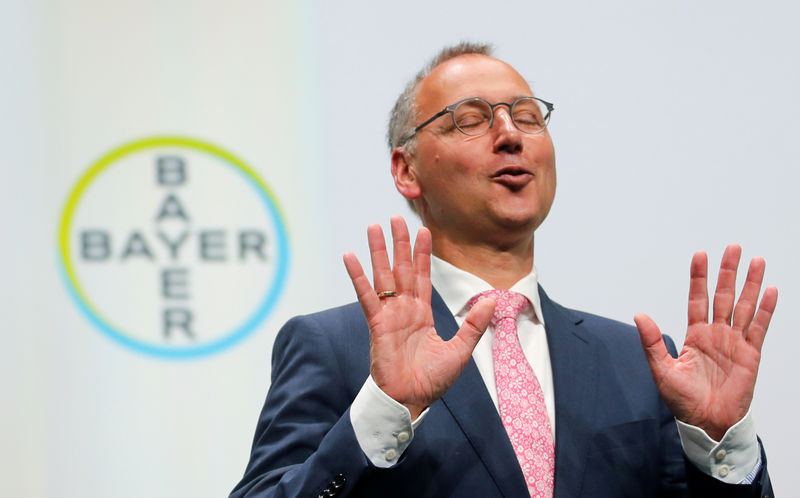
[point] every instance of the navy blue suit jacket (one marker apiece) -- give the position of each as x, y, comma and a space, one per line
614, 435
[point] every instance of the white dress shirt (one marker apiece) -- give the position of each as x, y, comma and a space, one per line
384, 428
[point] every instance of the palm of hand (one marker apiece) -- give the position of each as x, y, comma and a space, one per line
711, 383
422, 365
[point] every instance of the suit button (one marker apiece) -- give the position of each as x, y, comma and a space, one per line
403, 437
390, 454
720, 455
724, 470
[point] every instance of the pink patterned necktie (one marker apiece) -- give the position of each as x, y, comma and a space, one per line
520, 396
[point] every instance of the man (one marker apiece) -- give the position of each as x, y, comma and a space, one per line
549, 401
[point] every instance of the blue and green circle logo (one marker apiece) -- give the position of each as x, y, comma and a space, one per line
173, 247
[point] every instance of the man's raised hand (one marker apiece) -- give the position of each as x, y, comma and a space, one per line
710, 384
408, 359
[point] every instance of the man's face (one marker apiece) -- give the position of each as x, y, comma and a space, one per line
494, 186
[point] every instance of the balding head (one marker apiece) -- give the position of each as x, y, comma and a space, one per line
404, 114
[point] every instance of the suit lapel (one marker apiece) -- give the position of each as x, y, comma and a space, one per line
471, 406
574, 362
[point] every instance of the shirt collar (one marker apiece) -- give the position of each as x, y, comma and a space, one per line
457, 287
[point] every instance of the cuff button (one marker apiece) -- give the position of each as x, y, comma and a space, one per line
338, 481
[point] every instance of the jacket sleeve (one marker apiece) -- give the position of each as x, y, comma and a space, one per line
304, 443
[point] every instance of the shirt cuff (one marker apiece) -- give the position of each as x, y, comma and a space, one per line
383, 427
736, 459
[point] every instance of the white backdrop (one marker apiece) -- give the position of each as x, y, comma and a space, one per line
673, 130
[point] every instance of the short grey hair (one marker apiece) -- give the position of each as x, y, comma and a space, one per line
404, 113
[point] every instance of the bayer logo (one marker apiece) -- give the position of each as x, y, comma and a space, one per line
173, 247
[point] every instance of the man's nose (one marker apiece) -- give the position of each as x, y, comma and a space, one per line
507, 137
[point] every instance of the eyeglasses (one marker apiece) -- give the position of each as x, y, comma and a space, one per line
474, 116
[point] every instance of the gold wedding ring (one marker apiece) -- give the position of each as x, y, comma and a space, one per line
387, 293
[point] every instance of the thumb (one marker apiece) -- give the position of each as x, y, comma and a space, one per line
653, 344
474, 326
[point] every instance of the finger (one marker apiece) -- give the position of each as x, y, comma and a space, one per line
653, 345
698, 289
422, 264
725, 293
473, 327
758, 327
403, 269
367, 297
381, 271
743, 313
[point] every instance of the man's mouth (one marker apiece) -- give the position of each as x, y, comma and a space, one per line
513, 177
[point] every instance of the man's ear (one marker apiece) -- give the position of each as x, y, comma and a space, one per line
404, 174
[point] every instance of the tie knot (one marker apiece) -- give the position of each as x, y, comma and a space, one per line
508, 304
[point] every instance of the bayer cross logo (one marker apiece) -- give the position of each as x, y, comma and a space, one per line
173, 247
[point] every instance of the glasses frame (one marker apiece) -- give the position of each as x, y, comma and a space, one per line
452, 107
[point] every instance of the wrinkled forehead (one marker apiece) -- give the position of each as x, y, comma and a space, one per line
470, 75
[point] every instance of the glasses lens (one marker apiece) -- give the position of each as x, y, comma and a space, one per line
530, 115
472, 117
